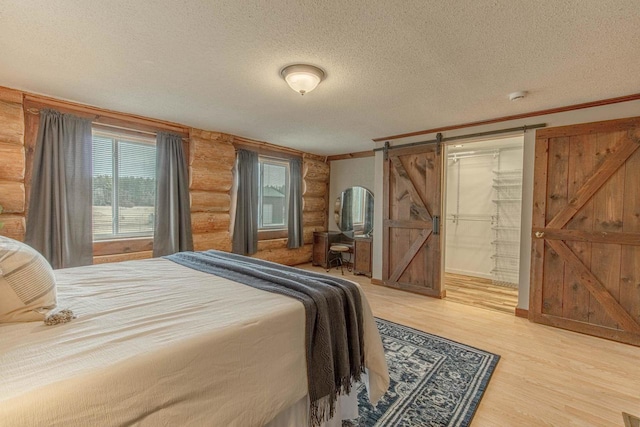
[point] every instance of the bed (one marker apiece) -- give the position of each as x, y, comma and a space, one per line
157, 343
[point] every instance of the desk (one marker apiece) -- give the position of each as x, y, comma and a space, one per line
322, 241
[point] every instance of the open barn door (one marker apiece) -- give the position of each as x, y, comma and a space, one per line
586, 229
411, 219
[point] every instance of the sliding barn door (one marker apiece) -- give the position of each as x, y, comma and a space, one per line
586, 229
411, 235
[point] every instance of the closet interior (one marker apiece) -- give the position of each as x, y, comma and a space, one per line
483, 214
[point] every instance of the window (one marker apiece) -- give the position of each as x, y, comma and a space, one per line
273, 191
124, 186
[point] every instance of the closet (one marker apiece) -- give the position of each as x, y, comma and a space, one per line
482, 222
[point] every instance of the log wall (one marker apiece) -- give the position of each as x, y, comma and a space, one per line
211, 161
12, 164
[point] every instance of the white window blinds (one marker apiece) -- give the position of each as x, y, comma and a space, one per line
273, 194
124, 174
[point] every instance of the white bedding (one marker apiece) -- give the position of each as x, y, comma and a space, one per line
156, 343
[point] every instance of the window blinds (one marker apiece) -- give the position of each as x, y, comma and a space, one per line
123, 187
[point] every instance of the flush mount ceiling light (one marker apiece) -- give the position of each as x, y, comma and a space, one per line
302, 78
516, 96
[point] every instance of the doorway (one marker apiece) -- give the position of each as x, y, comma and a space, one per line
482, 212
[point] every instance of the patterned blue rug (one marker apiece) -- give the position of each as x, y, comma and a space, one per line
434, 381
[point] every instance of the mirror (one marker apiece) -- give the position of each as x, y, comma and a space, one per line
354, 211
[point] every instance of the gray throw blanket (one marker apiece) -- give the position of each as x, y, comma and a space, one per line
333, 309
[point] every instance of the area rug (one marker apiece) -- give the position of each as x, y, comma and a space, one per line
434, 381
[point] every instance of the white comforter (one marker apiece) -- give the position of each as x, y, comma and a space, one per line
156, 343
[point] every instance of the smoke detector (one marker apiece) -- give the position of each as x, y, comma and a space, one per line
516, 96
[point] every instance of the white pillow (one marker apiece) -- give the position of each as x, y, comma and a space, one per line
27, 283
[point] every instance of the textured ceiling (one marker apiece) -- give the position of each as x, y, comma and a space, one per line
393, 66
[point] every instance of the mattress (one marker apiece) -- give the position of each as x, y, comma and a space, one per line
156, 343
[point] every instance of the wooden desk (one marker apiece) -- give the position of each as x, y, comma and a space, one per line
362, 254
360, 250
322, 241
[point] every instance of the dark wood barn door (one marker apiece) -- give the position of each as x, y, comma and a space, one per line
411, 214
585, 272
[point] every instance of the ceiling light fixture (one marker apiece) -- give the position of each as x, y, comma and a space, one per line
516, 96
302, 78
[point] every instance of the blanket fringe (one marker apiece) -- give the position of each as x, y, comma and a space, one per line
324, 408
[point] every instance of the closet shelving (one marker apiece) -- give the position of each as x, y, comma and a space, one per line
507, 185
457, 217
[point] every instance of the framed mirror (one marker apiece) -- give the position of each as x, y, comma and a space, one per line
354, 211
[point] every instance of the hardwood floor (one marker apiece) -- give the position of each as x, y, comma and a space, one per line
546, 376
480, 292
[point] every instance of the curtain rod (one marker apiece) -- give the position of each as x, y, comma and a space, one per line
36, 112
440, 138
266, 150
126, 129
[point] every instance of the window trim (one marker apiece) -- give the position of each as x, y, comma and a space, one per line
274, 232
129, 137
122, 246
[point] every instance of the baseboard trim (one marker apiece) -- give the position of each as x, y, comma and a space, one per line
522, 312
376, 282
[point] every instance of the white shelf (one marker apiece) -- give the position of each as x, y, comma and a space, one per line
513, 271
506, 185
508, 172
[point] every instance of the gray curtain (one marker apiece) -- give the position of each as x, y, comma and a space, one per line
245, 228
296, 238
59, 220
346, 222
172, 231
368, 213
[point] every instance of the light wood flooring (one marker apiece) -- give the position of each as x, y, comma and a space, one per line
480, 292
546, 376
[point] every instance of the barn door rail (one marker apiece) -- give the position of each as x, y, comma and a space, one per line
440, 139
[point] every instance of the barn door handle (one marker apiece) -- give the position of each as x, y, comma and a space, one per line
436, 224
539, 234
